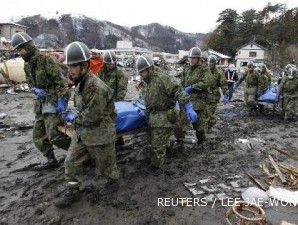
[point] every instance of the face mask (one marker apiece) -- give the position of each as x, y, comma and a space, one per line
30, 52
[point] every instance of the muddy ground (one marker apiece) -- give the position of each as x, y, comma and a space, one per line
26, 197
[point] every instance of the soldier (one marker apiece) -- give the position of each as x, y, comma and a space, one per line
44, 76
217, 80
115, 79
160, 94
264, 80
284, 73
113, 76
194, 80
288, 88
94, 125
251, 77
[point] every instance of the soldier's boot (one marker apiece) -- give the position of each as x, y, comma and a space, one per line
119, 141
179, 145
51, 162
261, 108
253, 111
200, 136
70, 195
110, 187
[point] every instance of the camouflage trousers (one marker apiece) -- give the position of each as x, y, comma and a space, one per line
46, 133
78, 154
289, 107
200, 126
250, 101
159, 143
211, 121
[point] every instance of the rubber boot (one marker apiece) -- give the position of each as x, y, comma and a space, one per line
51, 162
70, 195
110, 187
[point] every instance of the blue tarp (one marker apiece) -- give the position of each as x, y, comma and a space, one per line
130, 115
269, 96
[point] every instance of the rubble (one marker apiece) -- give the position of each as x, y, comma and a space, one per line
219, 163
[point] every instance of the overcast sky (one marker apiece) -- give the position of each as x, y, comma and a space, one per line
186, 15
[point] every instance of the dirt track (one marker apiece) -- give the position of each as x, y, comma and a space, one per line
26, 197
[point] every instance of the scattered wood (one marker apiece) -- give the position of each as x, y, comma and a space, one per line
267, 172
285, 152
256, 181
280, 175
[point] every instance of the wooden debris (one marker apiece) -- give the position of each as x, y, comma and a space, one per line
256, 181
285, 152
280, 175
266, 170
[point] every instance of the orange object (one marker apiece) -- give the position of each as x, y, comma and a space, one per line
96, 63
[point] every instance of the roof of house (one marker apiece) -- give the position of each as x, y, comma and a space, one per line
252, 43
220, 55
13, 24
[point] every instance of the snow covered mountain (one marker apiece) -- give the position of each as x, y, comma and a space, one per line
57, 32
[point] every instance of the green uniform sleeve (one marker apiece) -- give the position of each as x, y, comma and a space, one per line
203, 83
242, 78
54, 73
223, 82
174, 90
95, 104
281, 86
122, 85
29, 78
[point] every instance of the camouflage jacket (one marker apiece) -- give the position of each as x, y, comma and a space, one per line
197, 76
264, 81
251, 81
160, 94
43, 72
288, 87
116, 80
217, 80
93, 101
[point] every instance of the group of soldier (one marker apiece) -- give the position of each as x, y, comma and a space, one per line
171, 106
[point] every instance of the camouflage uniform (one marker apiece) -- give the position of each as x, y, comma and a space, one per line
251, 86
217, 80
264, 82
160, 94
42, 72
95, 130
196, 76
289, 89
116, 80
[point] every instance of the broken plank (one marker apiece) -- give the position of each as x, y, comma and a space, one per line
285, 152
289, 169
257, 182
279, 173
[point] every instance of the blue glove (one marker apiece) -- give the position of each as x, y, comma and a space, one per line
225, 99
235, 87
70, 117
188, 89
61, 104
191, 114
40, 93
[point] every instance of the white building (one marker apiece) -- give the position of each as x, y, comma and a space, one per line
124, 44
7, 30
182, 53
248, 52
223, 60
